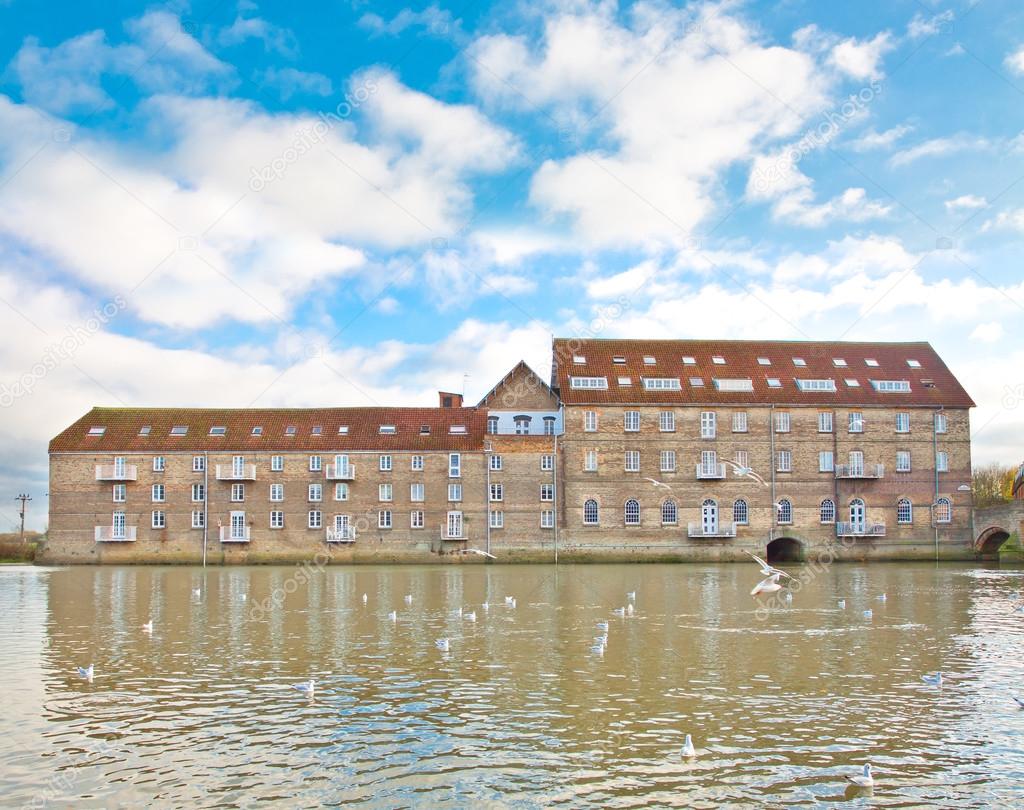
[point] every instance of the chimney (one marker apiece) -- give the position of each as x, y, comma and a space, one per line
449, 400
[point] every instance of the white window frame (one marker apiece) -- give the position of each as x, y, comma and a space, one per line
276, 518
590, 421
119, 493
276, 493
417, 519
589, 461
826, 461
631, 421
902, 455
547, 518
198, 463
417, 493
547, 462
341, 491
385, 462
632, 461
631, 512
667, 519
158, 519
277, 463
784, 461
455, 493
416, 463
385, 493
855, 422
783, 422
591, 383
496, 493
667, 421
941, 422
198, 519
496, 519
314, 519
784, 514
198, 493
708, 425
904, 517
941, 461
667, 459
740, 514
385, 518
825, 422
830, 517
495, 462
315, 493
316, 463
158, 493
739, 422
455, 465
903, 421
159, 463
547, 493
238, 493
595, 513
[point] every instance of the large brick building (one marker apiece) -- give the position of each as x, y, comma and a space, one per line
637, 449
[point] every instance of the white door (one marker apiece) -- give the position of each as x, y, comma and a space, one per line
708, 462
238, 525
118, 530
858, 517
709, 516
119, 467
341, 527
454, 524
238, 466
856, 463
341, 465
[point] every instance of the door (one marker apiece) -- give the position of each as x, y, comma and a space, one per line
454, 524
341, 527
341, 466
237, 466
708, 463
709, 517
857, 463
119, 467
238, 525
117, 530
858, 516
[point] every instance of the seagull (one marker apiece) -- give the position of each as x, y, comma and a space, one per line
408, 599
443, 644
688, 750
767, 585
658, 484
481, 552
469, 617
1020, 702
740, 470
934, 680
86, 673
766, 569
196, 592
148, 627
882, 597
868, 613
393, 615
602, 625
842, 604
619, 611
631, 596
864, 778
364, 598
306, 687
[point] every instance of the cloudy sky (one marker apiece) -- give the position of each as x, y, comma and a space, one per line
236, 203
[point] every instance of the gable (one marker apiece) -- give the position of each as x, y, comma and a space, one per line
520, 390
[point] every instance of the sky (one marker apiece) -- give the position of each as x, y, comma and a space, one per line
239, 204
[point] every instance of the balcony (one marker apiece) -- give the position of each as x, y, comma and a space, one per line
860, 471
339, 472
118, 534
234, 534
228, 472
707, 472
343, 535
112, 472
451, 537
699, 530
845, 528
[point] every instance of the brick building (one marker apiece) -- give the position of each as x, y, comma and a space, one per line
637, 449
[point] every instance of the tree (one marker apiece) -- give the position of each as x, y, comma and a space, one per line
992, 484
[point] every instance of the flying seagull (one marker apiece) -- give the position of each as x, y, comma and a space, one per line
658, 484
767, 585
481, 552
864, 778
741, 470
766, 569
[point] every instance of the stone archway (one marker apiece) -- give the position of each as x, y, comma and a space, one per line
990, 541
785, 549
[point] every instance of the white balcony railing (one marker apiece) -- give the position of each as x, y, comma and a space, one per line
115, 534
110, 472
234, 534
845, 528
860, 470
343, 535
446, 536
710, 471
339, 472
228, 472
700, 530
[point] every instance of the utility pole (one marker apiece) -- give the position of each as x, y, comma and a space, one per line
24, 499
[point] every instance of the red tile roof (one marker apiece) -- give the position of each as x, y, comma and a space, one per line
931, 385
123, 426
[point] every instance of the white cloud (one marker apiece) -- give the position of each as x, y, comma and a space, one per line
921, 26
433, 19
989, 332
880, 140
1012, 220
387, 305
289, 81
1015, 61
939, 147
274, 37
861, 59
965, 202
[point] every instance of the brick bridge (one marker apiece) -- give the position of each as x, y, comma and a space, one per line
993, 527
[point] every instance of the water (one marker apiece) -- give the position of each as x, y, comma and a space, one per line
781, 703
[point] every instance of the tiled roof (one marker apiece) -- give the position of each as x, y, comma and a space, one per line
931, 383
123, 429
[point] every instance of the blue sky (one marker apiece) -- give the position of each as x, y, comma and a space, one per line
239, 203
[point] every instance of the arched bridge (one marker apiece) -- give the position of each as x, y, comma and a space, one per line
994, 526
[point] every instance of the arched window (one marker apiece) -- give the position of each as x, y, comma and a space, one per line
785, 511
943, 510
828, 511
904, 511
590, 513
669, 513
522, 423
632, 512
740, 513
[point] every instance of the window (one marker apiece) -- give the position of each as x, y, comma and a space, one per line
891, 386
454, 526
579, 359
315, 463
763, 361
662, 384
914, 363
547, 492
856, 421
492, 424
826, 462
649, 360
522, 425
497, 492
708, 427
159, 519
734, 384
718, 360
497, 519
743, 459
668, 461
547, 518
709, 467
198, 493
198, 463
785, 511
782, 422
773, 382
740, 513
276, 463
316, 430
689, 361
547, 462
666, 421
868, 361
455, 492
697, 382
342, 430
454, 465
632, 461
315, 519
816, 385
549, 426
159, 463
590, 512
120, 493
277, 492
838, 362
416, 492
384, 492
384, 463
799, 362
631, 421
590, 461
739, 422
341, 492
827, 511
825, 422
852, 383
417, 519
904, 511
179, 430
669, 513
145, 430
291, 430
387, 430
902, 461
619, 360
631, 512
625, 381
495, 462
416, 463
940, 423
158, 493
588, 382
784, 461
943, 510
856, 463
590, 421
316, 493
218, 430
277, 519
384, 519
198, 519
238, 492
257, 431
942, 461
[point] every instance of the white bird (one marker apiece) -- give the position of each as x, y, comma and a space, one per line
629, 609
688, 750
882, 597
934, 680
842, 604
598, 649
86, 673
864, 778
470, 616
443, 644
148, 627
393, 615
658, 484
619, 611
306, 687
868, 613
364, 598
766, 569
196, 592
767, 585
1020, 702
408, 599
741, 470
631, 596
602, 625
481, 552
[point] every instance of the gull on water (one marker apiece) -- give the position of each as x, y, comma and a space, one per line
86, 672
486, 606
603, 625
631, 596
768, 585
408, 599
148, 627
306, 687
597, 649
766, 569
393, 615
443, 644
864, 778
470, 616
934, 680
688, 750
842, 604
457, 612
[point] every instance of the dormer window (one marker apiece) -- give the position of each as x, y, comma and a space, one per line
458, 429
387, 430
522, 424
697, 382
97, 430
625, 380
218, 430
425, 430
774, 382
891, 386
851, 383
317, 430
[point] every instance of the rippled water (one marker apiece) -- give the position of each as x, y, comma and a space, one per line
781, 703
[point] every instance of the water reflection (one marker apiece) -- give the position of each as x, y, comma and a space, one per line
519, 711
